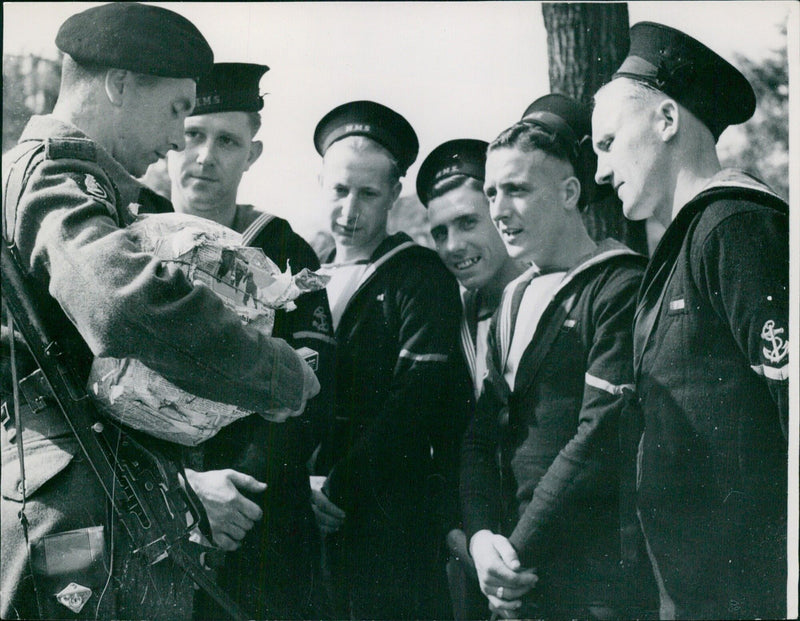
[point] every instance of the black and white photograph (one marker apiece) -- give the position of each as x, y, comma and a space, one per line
448, 310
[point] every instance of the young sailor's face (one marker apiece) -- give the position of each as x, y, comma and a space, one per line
465, 237
526, 202
359, 190
206, 174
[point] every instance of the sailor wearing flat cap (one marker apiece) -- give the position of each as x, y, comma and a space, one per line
563, 113
557, 382
711, 331
127, 84
220, 145
450, 185
386, 466
271, 566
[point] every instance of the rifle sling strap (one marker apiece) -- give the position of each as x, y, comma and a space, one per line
61, 382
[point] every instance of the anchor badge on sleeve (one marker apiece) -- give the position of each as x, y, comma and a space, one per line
778, 346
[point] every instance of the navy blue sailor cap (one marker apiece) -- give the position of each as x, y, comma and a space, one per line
230, 87
698, 78
565, 117
464, 156
373, 120
141, 38
571, 121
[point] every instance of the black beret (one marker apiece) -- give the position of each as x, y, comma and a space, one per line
465, 156
138, 37
373, 120
695, 76
230, 87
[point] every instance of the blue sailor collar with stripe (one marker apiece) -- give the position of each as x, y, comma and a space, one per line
389, 246
734, 178
720, 184
250, 222
472, 314
606, 249
726, 183
469, 326
386, 251
506, 317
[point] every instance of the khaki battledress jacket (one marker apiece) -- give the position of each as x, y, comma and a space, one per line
101, 296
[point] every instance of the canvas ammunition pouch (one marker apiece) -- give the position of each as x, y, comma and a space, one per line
49, 443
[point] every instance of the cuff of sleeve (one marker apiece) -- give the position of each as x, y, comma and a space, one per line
334, 493
520, 545
475, 524
286, 388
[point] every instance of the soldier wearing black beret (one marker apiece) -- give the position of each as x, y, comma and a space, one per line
128, 83
388, 460
146, 39
711, 330
265, 523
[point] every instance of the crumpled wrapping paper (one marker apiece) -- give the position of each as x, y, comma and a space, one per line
247, 281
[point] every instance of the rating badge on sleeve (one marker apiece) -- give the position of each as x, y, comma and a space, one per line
74, 596
777, 347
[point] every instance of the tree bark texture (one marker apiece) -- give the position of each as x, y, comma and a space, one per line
586, 43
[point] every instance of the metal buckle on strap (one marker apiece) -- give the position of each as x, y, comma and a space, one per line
35, 391
5, 417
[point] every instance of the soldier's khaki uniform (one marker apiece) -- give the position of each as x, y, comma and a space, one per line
101, 296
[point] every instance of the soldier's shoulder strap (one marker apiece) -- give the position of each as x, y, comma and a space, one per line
20, 163
67, 148
17, 168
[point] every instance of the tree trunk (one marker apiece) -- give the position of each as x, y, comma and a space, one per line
586, 43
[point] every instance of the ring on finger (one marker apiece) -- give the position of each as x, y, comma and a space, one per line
500, 592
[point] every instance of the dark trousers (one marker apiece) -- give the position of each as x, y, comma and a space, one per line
381, 571
276, 573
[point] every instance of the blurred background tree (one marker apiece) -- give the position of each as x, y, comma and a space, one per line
761, 146
586, 42
410, 215
30, 86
